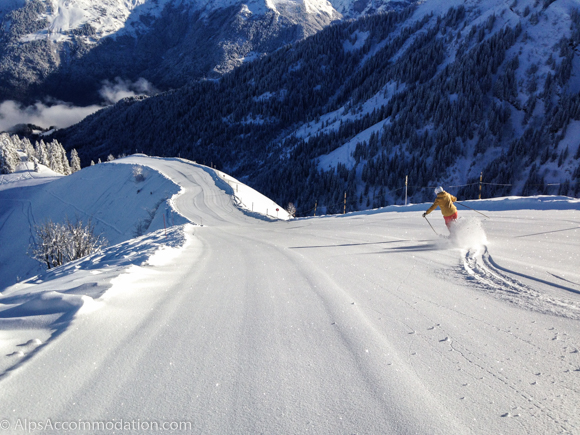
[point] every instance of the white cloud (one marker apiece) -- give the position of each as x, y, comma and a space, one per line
114, 92
61, 114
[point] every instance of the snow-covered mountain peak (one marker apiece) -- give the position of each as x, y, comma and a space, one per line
105, 17
96, 19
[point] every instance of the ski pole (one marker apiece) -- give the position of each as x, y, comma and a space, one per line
457, 202
431, 225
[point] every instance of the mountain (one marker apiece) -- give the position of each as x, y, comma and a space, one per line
438, 92
67, 49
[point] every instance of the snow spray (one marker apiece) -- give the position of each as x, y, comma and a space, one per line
467, 233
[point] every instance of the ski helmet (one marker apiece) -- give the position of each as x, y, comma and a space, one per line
438, 190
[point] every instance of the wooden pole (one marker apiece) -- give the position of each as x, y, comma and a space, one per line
406, 182
344, 211
480, 181
315, 205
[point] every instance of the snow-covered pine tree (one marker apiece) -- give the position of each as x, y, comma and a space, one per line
75, 161
42, 153
54, 159
66, 169
9, 159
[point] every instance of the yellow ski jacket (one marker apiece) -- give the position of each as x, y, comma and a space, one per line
445, 201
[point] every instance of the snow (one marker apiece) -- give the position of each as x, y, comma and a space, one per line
359, 39
112, 17
241, 323
343, 154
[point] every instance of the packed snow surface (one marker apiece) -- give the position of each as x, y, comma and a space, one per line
239, 322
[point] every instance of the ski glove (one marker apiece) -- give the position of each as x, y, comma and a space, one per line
424, 214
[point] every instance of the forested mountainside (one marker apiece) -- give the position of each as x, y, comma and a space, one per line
439, 92
66, 49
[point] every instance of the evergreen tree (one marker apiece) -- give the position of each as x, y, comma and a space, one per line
9, 159
75, 161
42, 153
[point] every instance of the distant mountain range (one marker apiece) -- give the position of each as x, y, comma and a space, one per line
440, 92
65, 49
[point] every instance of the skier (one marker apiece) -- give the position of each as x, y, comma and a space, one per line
445, 201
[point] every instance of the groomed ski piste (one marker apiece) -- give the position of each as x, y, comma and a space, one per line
227, 317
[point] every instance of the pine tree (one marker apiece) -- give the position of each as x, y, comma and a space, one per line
54, 158
28, 149
66, 169
9, 159
75, 161
42, 153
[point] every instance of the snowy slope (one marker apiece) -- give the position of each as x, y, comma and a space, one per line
363, 323
118, 204
110, 196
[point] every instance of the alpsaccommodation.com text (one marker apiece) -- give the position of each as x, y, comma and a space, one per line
31, 426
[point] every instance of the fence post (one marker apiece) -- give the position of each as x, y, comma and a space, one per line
344, 211
480, 180
315, 205
406, 182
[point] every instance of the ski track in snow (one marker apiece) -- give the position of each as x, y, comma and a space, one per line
341, 324
479, 265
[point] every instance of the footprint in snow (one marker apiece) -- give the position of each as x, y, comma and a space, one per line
34, 342
508, 414
445, 339
18, 354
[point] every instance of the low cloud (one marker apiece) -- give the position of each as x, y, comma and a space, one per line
112, 92
60, 114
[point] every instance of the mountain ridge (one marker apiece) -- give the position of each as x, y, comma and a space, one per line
66, 49
438, 98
